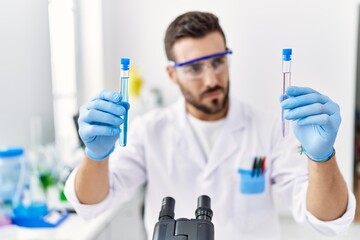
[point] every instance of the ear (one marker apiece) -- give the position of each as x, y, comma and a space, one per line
172, 74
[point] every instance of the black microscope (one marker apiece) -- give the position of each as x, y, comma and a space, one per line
201, 228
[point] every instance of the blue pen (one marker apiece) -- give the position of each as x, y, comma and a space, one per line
124, 82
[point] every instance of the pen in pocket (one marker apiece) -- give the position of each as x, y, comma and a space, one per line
258, 167
254, 167
263, 166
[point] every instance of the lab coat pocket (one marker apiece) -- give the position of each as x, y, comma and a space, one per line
251, 182
252, 199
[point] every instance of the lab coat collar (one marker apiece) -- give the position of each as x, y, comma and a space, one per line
229, 138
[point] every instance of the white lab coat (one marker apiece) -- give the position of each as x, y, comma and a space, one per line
163, 152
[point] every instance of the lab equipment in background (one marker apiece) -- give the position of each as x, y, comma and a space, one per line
152, 98
31, 202
286, 70
124, 82
13, 175
22, 197
136, 89
32, 210
200, 228
52, 174
34, 217
136, 83
46, 166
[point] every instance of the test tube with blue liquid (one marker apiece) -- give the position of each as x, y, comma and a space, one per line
124, 83
286, 70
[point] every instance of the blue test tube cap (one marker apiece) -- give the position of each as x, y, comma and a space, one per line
287, 54
125, 62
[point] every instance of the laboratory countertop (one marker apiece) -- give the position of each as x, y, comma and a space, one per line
73, 228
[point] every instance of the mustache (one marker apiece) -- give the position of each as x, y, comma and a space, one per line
210, 90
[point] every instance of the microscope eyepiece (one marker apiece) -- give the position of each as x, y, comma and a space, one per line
168, 228
203, 210
167, 208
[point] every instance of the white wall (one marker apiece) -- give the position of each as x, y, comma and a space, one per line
90, 52
25, 73
322, 34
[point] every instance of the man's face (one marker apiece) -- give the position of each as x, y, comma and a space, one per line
204, 83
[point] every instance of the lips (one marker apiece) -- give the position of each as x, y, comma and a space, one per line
212, 93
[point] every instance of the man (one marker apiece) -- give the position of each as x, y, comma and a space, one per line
207, 143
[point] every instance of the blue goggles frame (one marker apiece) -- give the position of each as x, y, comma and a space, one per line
174, 64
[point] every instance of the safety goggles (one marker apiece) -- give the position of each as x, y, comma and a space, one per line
196, 68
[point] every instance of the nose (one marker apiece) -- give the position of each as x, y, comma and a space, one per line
210, 78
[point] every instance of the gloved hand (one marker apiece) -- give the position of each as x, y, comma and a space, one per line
99, 122
316, 120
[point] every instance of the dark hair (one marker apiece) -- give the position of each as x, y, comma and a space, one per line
190, 24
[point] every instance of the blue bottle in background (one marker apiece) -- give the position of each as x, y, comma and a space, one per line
11, 184
13, 174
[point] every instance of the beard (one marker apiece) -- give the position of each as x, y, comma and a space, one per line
216, 105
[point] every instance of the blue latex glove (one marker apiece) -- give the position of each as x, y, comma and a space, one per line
99, 124
316, 120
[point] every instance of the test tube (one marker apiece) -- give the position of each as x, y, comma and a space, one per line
286, 70
124, 83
